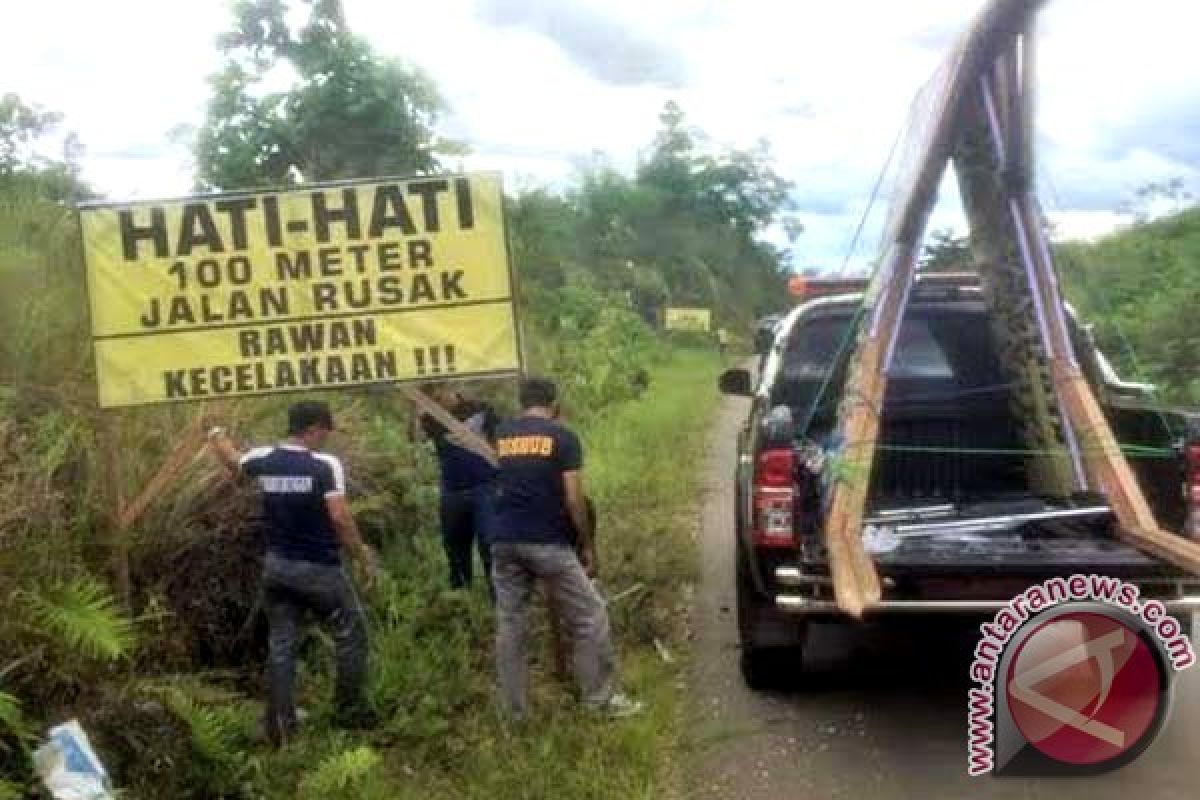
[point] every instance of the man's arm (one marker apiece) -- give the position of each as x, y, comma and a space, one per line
577, 509
344, 526
348, 535
222, 447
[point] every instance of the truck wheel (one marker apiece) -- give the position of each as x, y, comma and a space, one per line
772, 645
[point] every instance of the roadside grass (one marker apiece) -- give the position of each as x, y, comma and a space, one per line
431, 648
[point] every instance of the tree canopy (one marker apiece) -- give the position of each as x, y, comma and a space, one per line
348, 113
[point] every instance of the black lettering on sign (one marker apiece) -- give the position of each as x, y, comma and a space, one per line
451, 290
329, 260
335, 370
210, 272
462, 197
389, 256
420, 253
324, 297
132, 233
428, 191
347, 215
434, 360
271, 219
222, 380
285, 375
198, 229
308, 337
359, 251
421, 289
235, 208
363, 298
295, 267
239, 305
389, 290
376, 366
250, 343
389, 211
391, 293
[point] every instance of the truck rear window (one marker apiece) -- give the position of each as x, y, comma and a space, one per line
812, 349
938, 352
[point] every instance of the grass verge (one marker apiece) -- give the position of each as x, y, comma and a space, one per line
431, 663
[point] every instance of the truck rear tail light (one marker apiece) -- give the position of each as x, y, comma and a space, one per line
1192, 488
774, 498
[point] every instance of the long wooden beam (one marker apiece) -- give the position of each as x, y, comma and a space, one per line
856, 582
463, 435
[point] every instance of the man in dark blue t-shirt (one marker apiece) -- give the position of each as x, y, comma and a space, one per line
465, 508
541, 518
308, 525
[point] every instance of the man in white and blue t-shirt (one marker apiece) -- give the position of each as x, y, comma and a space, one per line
308, 526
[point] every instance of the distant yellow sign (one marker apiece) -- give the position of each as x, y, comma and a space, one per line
694, 320
314, 288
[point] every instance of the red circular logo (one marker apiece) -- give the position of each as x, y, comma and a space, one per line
1084, 688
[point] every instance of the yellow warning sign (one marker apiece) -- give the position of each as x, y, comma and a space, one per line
695, 320
318, 287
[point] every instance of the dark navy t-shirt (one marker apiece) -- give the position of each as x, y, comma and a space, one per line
530, 499
462, 468
294, 483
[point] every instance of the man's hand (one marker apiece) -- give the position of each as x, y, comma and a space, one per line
222, 447
369, 566
587, 557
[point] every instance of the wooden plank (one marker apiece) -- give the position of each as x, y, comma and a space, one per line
1172, 548
116, 536
856, 582
463, 436
172, 466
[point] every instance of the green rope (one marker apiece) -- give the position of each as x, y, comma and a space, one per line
1140, 451
852, 328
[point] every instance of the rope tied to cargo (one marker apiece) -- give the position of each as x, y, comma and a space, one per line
1135, 450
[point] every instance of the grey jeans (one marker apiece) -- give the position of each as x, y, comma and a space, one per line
515, 568
292, 588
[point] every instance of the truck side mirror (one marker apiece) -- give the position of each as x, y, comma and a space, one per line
736, 382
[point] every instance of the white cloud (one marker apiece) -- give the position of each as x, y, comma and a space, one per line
828, 84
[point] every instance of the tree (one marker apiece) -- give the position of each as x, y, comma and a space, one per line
349, 114
945, 252
20, 126
1158, 198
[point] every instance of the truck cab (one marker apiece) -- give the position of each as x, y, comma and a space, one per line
954, 522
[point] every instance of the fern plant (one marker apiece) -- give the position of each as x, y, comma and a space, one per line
82, 617
343, 774
12, 721
219, 727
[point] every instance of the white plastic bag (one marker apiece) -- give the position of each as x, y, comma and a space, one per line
69, 767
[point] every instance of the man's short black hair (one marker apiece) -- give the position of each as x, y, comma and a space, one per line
537, 392
306, 414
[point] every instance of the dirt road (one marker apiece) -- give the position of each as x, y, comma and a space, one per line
878, 714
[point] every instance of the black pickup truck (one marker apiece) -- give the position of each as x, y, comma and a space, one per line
952, 521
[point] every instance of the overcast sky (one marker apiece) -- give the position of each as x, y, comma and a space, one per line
536, 86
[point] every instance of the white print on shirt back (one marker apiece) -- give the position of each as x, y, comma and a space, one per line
286, 484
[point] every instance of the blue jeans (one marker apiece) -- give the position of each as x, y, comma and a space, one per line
466, 516
292, 588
